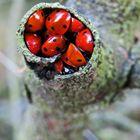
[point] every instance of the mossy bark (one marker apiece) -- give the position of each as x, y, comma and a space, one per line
59, 107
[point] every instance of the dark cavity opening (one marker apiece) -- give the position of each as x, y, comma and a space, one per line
58, 49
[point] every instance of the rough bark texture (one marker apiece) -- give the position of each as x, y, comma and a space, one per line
59, 108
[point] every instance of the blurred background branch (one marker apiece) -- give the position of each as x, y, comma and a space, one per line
10, 65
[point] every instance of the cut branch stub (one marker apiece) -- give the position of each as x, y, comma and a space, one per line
40, 59
88, 81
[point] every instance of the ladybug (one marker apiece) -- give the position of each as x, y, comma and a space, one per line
36, 21
33, 42
73, 57
84, 41
59, 66
58, 22
53, 45
76, 25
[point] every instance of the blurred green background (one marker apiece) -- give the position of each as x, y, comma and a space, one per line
120, 121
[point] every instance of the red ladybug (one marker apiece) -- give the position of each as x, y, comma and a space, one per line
58, 22
54, 45
59, 66
84, 41
73, 57
35, 21
33, 42
76, 25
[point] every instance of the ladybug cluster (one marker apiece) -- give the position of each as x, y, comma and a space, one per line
50, 32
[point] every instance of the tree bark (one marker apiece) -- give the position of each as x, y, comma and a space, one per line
59, 107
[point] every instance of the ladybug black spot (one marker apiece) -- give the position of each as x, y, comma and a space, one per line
58, 49
66, 59
85, 32
48, 18
30, 25
42, 14
57, 10
64, 26
54, 40
79, 60
52, 28
45, 49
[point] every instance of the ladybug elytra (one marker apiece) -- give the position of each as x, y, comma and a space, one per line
53, 45
84, 41
76, 25
35, 21
73, 57
58, 22
33, 42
